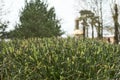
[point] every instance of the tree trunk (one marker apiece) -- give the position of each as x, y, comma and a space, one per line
84, 28
87, 31
83, 31
115, 17
92, 31
99, 31
101, 20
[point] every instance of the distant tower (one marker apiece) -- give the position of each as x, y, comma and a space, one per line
77, 24
77, 32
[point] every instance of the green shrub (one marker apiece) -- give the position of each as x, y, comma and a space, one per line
59, 59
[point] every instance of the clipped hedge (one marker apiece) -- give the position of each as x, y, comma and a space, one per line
59, 59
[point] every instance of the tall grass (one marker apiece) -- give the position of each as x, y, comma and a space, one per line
59, 59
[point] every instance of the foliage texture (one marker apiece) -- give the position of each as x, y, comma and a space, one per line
37, 20
59, 59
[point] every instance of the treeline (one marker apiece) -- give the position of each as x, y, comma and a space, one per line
93, 17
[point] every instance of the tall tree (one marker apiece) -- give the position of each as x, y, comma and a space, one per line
84, 17
115, 5
36, 20
94, 21
88, 17
96, 6
116, 24
98, 9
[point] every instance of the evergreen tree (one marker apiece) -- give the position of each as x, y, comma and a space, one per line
36, 20
3, 27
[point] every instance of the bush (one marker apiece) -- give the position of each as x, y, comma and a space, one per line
59, 59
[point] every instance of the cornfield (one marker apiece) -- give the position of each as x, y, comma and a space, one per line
59, 59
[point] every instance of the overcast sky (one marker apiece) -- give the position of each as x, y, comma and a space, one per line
66, 11
12, 9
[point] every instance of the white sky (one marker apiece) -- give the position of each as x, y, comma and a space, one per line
65, 10
12, 9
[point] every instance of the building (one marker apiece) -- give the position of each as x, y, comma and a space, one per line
77, 32
109, 39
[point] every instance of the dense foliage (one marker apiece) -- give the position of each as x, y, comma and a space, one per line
3, 33
37, 20
59, 59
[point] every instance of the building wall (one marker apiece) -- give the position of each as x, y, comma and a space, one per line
109, 39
